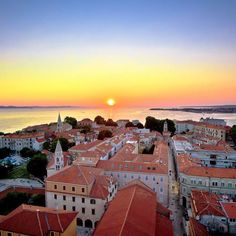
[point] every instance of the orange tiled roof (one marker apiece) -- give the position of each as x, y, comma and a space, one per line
206, 203
100, 186
226, 173
75, 174
229, 209
223, 148
197, 229
133, 212
85, 146
212, 126
24, 135
163, 226
36, 221
127, 148
111, 165
185, 161
130, 219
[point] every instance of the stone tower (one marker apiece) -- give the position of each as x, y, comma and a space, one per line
59, 158
165, 128
59, 123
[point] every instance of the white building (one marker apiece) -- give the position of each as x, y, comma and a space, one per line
18, 141
152, 170
213, 121
180, 145
193, 176
217, 213
184, 126
215, 155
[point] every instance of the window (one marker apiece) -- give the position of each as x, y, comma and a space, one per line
9, 234
93, 211
83, 210
222, 184
64, 197
161, 190
92, 201
146, 178
125, 176
161, 179
64, 207
82, 190
52, 234
230, 185
55, 186
154, 178
73, 189
55, 196
73, 208
64, 187
73, 199
83, 200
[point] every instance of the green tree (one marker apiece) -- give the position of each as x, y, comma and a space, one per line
85, 129
64, 144
104, 134
99, 120
37, 200
47, 145
3, 172
110, 122
27, 152
1, 133
37, 165
157, 125
12, 201
140, 126
72, 121
129, 124
4, 152
153, 124
233, 133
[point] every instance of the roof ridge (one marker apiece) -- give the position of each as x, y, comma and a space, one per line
83, 174
46, 218
59, 222
126, 215
40, 226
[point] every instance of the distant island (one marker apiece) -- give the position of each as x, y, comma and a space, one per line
202, 109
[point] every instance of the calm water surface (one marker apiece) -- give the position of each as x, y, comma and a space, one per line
16, 119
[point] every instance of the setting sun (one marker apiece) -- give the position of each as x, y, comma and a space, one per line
111, 102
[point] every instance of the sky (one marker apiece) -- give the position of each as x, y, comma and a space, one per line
138, 52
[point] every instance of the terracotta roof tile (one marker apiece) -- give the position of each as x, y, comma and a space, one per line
75, 174
229, 209
132, 212
36, 221
197, 229
206, 203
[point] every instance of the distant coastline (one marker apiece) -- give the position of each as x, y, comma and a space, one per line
202, 109
32, 107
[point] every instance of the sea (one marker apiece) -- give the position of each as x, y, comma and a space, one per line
14, 119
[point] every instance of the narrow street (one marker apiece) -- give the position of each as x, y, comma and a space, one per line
174, 198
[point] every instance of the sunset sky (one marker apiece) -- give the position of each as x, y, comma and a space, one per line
138, 52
